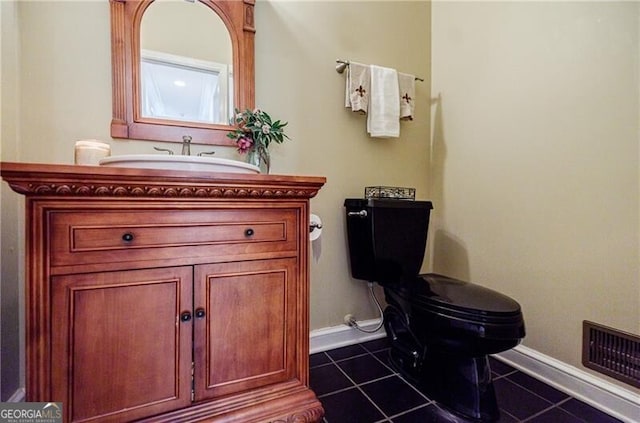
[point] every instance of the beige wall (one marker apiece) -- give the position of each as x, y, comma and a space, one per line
536, 159
12, 210
296, 48
64, 94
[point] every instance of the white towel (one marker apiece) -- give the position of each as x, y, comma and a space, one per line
383, 119
407, 85
357, 87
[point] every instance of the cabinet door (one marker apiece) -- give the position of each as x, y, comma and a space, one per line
246, 337
120, 348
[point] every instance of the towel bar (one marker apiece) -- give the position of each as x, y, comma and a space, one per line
342, 65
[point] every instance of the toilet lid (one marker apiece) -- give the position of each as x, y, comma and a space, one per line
456, 298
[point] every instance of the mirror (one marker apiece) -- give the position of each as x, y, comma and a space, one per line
185, 75
180, 67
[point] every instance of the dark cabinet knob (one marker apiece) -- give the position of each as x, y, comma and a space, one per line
185, 316
200, 313
248, 232
128, 237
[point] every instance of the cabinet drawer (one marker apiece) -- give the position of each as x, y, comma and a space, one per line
89, 237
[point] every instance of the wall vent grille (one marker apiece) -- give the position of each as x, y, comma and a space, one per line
611, 352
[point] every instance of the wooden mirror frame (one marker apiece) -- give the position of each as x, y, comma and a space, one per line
126, 16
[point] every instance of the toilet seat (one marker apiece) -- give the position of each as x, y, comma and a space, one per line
460, 300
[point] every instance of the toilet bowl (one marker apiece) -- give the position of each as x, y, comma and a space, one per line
441, 329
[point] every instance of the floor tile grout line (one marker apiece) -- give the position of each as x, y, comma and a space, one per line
410, 410
501, 376
360, 389
322, 365
378, 350
372, 402
355, 385
429, 400
536, 394
383, 363
358, 356
554, 405
337, 391
510, 415
394, 373
376, 380
541, 412
350, 357
561, 403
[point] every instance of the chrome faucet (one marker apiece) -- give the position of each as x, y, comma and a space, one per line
166, 150
186, 145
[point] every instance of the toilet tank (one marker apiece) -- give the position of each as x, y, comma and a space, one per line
387, 238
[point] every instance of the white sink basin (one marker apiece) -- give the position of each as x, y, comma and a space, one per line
175, 162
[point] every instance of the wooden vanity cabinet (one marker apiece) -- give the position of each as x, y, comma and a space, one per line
167, 296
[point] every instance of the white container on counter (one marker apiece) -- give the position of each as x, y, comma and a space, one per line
89, 152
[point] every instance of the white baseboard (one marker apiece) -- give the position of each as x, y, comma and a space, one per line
341, 336
612, 399
18, 396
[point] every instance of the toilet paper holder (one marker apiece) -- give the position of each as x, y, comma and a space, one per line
314, 225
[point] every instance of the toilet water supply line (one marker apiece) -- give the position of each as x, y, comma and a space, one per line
353, 323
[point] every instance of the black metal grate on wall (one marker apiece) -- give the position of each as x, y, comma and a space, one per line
611, 352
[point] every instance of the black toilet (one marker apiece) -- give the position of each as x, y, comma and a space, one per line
440, 329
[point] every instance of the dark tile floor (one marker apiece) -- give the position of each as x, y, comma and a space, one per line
355, 384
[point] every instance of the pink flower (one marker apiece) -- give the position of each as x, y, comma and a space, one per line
244, 144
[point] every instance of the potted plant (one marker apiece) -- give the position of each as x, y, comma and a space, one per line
254, 131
